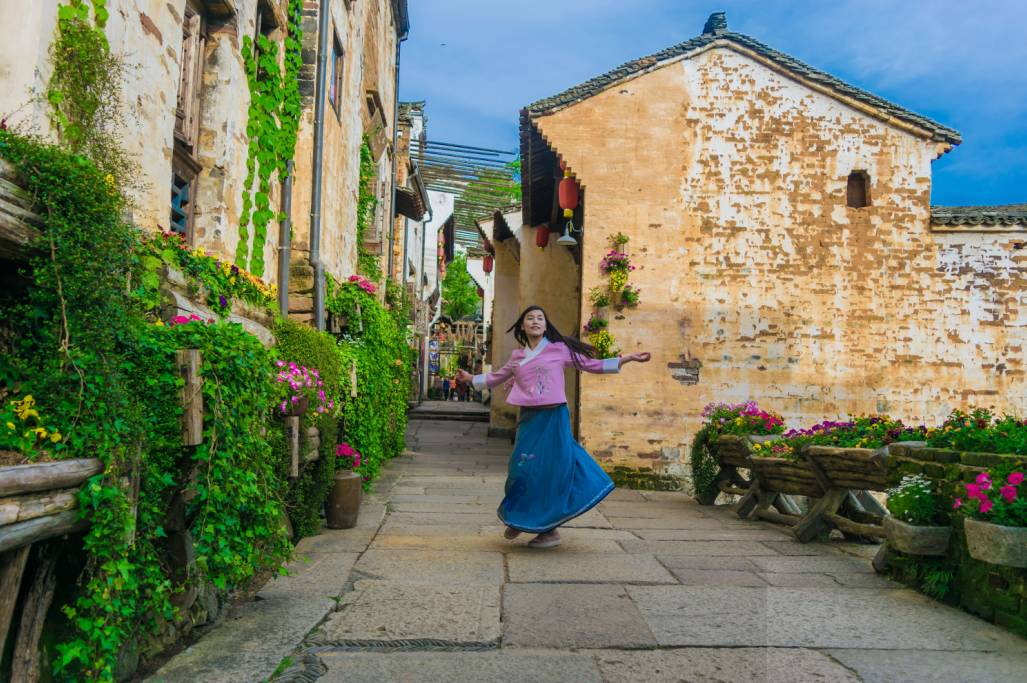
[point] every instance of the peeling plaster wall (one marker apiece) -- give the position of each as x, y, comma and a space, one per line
730, 180
367, 35
505, 309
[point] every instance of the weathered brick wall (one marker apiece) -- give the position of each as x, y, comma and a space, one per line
730, 180
993, 592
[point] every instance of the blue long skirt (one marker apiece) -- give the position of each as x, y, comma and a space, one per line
551, 478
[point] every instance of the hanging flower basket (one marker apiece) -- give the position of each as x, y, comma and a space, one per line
916, 540
297, 408
996, 544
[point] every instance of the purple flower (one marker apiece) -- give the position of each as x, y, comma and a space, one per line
223, 301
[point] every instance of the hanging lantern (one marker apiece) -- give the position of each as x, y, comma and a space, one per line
542, 236
488, 246
568, 194
481, 292
487, 263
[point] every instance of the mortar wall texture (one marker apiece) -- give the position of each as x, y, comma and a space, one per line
147, 35
729, 177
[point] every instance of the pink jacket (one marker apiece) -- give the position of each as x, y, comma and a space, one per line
538, 373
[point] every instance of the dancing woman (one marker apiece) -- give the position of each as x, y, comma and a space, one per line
551, 478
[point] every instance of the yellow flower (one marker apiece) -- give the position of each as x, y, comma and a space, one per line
41, 432
159, 323
55, 437
11, 426
231, 280
199, 251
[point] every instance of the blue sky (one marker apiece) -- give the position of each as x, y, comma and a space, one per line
962, 63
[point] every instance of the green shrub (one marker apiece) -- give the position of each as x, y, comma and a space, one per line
913, 501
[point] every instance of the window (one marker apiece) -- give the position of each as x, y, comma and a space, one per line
335, 83
187, 111
183, 188
857, 192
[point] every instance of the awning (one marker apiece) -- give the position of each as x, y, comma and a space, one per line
409, 203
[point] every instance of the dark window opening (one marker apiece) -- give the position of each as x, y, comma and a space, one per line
857, 191
183, 189
335, 83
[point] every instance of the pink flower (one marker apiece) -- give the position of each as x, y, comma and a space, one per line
354, 278
974, 491
986, 505
957, 503
344, 449
1008, 492
984, 480
1016, 478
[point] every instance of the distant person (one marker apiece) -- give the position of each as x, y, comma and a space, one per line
445, 388
551, 479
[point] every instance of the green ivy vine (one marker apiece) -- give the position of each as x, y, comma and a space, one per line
368, 264
376, 341
84, 92
272, 126
80, 342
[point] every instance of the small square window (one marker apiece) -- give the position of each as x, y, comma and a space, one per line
857, 190
335, 81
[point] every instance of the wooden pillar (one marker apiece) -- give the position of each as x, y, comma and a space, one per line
189, 363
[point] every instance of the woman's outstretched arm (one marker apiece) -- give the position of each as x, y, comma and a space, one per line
606, 365
491, 379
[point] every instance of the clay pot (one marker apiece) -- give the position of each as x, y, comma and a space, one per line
343, 503
916, 540
996, 544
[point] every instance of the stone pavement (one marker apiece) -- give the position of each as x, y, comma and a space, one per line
648, 587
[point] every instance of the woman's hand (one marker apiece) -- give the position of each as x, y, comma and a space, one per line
464, 377
642, 357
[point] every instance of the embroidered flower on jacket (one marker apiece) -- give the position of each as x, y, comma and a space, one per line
525, 457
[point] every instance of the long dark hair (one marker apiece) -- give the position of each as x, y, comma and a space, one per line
578, 348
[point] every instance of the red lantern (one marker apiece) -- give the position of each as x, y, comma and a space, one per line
487, 263
481, 292
568, 194
542, 236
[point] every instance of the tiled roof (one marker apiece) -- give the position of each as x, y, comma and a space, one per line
716, 30
1005, 214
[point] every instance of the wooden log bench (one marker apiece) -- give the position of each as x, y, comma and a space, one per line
740, 473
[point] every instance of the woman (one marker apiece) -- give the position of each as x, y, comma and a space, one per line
551, 478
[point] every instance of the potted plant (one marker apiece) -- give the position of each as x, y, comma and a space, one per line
916, 524
596, 323
599, 296
343, 505
629, 296
996, 523
616, 264
301, 387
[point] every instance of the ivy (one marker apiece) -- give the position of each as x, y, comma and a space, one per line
459, 292
104, 375
272, 126
374, 420
84, 93
368, 264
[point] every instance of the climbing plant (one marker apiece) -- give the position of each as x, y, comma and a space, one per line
84, 92
272, 126
368, 264
105, 377
459, 293
376, 342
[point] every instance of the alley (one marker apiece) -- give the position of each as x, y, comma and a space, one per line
648, 587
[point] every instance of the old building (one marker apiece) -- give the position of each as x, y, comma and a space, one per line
780, 225
195, 140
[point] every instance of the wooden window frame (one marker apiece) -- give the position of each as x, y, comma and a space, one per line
190, 83
334, 93
185, 167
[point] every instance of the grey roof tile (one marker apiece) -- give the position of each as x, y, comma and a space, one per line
717, 27
1003, 214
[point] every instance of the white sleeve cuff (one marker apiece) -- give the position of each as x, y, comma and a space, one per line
611, 365
479, 383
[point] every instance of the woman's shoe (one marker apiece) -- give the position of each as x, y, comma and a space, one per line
511, 533
547, 540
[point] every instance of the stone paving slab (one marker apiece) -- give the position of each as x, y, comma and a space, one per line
685, 562
391, 528
249, 644
424, 498
811, 617
720, 577
443, 508
716, 534
460, 667
378, 611
892, 666
649, 510
546, 566
442, 567
572, 616
701, 548
584, 533
839, 564
721, 665
315, 575
447, 519
666, 523
592, 519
